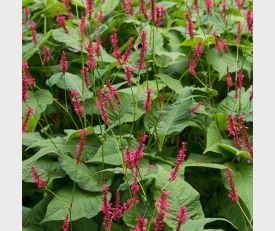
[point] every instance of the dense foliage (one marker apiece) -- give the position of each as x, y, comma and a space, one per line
137, 115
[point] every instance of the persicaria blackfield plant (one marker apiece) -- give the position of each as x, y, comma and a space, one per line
137, 115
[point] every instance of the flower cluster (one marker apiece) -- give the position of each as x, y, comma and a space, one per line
26, 119
82, 26
143, 49
127, 6
233, 191
239, 85
26, 74
180, 159
34, 34
224, 10
159, 15
77, 105
240, 4
142, 8
47, 56
190, 25
128, 74
192, 62
60, 19
182, 217
141, 224
239, 29
37, 178
162, 205
90, 7
148, 100
26, 11
66, 223
84, 71
233, 129
209, 4
245, 138
195, 107
220, 45
80, 146
63, 63
91, 63
228, 78
249, 20
68, 8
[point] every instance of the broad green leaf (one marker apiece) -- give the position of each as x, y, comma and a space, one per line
85, 224
86, 178
71, 39
30, 137
109, 6
195, 225
192, 43
230, 104
164, 58
182, 193
234, 150
38, 101
213, 139
69, 82
36, 215
220, 61
173, 84
108, 153
85, 204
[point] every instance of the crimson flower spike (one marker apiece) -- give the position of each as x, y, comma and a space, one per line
228, 78
98, 45
128, 74
239, 29
152, 10
180, 159
34, 34
162, 205
90, 8
127, 6
63, 63
159, 15
114, 42
47, 55
125, 57
190, 25
24, 89
182, 217
142, 8
66, 223
245, 137
26, 119
233, 191
209, 4
101, 106
233, 130
82, 26
68, 7
195, 107
148, 100
196, 5
106, 209
60, 19
249, 20
77, 106
37, 179
141, 224
26, 11
239, 85
91, 55
85, 71
26, 73
224, 10
143, 49
80, 146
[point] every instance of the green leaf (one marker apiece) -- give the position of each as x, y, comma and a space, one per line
86, 178
195, 225
109, 6
109, 152
30, 137
85, 204
69, 82
220, 61
234, 150
71, 39
213, 139
38, 101
194, 42
182, 193
173, 84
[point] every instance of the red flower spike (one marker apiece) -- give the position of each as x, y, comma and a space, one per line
91, 55
107, 209
152, 10
24, 89
233, 191
224, 10
148, 101
116, 51
127, 6
196, 5
34, 34
161, 205
113, 91
100, 16
98, 47
142, 8
85, 71
182, 217
60, 19
249, 20
143, 39
80, 146
141, 224
66, 223
195, 108
101, 106
90, 8
209, 4
180, 159
82, 26
199, 49
26, 11
245, 137
125, 57
192, 65
47, 56
26, 74
128, 74
63, 63
26, 119
77, 106
233, 130
239, 29
159, 15
240, 3
239, 84
68, 7
228, 78
190, 25
37, 179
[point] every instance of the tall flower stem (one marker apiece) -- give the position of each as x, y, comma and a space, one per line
244, 214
